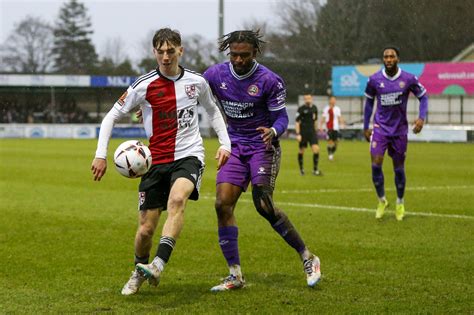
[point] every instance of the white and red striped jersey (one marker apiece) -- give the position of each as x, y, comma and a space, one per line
170, 117
331, 117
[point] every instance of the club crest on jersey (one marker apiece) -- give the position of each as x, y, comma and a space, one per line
252, 90
374, 144
141, 197
122, 98
190, 91
401, 84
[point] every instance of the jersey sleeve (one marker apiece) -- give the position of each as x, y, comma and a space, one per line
370, 89
417, 88
129, 100
207, 100
298, 114
276, 95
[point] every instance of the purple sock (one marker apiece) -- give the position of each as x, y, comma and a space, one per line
400, 181
377, 179
228, 241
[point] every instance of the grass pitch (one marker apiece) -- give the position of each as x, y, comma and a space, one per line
66, 242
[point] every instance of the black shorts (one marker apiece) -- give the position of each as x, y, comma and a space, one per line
310, 138
155, 185
333, 135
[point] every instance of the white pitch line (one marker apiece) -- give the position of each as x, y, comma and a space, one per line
336, 190
354, 209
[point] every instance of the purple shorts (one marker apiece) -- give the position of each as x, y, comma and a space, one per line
396, 145
248, 163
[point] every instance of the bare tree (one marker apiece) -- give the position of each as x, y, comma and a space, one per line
114, 50
28, 48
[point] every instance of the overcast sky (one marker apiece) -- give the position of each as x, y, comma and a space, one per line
133, 20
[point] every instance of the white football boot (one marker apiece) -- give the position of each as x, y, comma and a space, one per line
150, 272
134, 283
312, 268
231, 282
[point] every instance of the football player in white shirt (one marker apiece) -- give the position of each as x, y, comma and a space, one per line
168, 99
332, 120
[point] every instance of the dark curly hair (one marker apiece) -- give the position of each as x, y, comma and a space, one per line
252, 37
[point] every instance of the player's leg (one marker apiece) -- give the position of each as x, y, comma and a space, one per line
378, 146
315, 148
226, 198
185, 176
397, 151
331, 145
301, 147
232, 179
262, 195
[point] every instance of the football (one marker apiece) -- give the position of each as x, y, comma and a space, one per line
132, 159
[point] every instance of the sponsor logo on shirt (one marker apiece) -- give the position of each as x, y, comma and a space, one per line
185, 117
237, 109
190, 91
252, 90
391, 99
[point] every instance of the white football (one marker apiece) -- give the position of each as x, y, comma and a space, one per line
132, 159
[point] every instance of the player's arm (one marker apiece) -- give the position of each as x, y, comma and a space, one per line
315, 120
368, 108
342, 122
276, 105
207, 100
120, 109
298, 125
420, 92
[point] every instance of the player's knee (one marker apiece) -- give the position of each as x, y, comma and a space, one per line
263, 202
223, 209
146, 231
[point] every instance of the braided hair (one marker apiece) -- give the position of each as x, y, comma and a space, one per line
251, 37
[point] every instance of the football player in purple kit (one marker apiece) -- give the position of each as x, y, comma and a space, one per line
391, 86
253, 100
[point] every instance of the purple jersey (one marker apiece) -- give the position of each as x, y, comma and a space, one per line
392, 97
247, 100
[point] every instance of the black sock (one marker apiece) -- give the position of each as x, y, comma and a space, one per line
165, 248
141, 260
300, 160
315, 160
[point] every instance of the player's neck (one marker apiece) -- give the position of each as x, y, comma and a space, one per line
171, 72
391, 72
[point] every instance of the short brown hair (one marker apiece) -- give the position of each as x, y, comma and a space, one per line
166, 35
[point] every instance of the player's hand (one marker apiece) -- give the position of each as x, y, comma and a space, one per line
139, 115
98, 168
299, 138
418, 125
222, 156
267, 135
367, 134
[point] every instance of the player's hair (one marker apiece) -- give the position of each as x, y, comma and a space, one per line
397, 50
252, 37
166, 35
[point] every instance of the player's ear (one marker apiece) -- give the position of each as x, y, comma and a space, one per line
181, 51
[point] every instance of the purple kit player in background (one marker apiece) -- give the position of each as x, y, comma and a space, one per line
253, 100
392, 87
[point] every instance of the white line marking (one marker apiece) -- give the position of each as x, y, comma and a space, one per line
335, 190
354, 209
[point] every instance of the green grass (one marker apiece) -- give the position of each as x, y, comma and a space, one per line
66, 242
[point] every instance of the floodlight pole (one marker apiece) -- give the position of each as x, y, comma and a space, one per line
221, 18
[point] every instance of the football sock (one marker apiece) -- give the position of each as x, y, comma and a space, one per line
400, 201
228, 236
329, 150
334, 148
300, 160
235, 271
164, 251
315, 161
400, 181
286, 230
378, 180
141, 260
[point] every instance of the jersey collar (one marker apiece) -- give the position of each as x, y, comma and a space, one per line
246, 75
399, 72
165, 77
